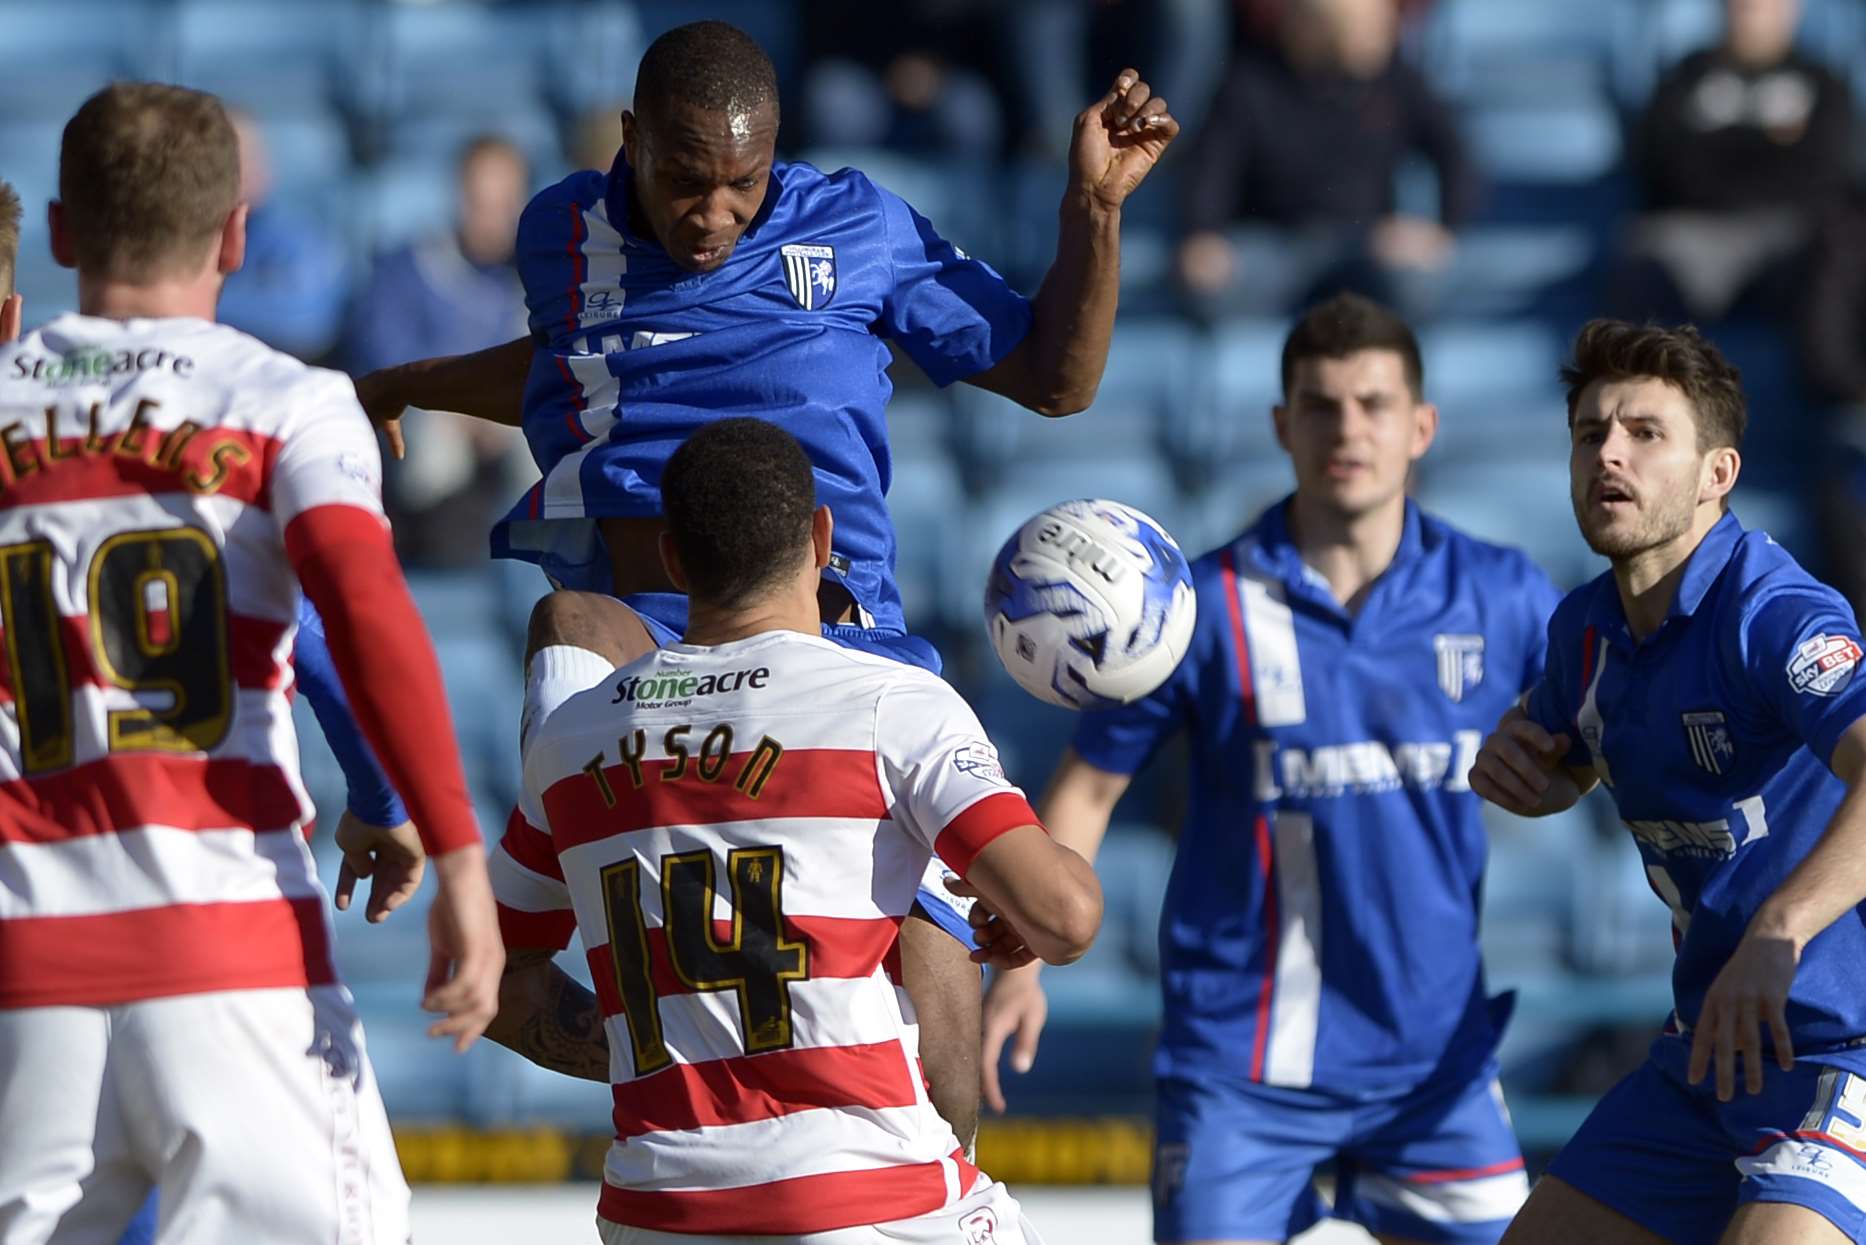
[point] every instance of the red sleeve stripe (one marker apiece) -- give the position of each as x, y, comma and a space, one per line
966, 835
842, 947
130, 789
531, 847
220, 462
536, 931
251, 644
119, 957
763, 1087
795, 1207
803, 782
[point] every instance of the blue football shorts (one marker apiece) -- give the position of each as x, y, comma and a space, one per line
1670, 1157
1237, 1161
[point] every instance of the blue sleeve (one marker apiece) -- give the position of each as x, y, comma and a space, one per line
371, 798
955, 316
1551, 701
1121, 740
1537, 596
1801, 652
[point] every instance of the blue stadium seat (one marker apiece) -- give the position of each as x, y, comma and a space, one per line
921, 423
1234, 499
592, 53
86, 40
1482, 357
925, 501
402, 201
1521, 49
1536, 872
1507, 270
773, 23
1567, 141
1133, 864
1228, 416
272, 57
309, 150
1521, 503
437, 137
449, 59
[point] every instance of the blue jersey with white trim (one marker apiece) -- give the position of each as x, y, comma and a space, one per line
635, 353
1320, 927
1713, 736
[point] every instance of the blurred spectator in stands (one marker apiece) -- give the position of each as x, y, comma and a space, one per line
1289, 188
1064, 51
1740, 147
290, 291
1259, 20
912, 75
451, 293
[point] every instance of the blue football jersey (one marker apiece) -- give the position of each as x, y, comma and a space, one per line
1320, 926
1713, 737
635, 353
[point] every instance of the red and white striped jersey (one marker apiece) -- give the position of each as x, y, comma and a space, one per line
737, 833
151, 814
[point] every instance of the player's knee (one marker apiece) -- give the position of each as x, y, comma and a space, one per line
586, 620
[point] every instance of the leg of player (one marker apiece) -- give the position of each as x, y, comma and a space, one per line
1557, 1213
943, 983
1779, 1223
574, 640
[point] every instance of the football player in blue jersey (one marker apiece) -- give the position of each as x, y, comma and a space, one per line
1324, 996
701, 278
1708, 682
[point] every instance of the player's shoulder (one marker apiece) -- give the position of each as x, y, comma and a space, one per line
554, 211
1495, 565
1767, 579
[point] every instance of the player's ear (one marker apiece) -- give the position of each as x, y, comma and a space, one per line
12, 313
1425, 428
1721, 468
631, 136
1279, 422
670, 560
62, 249
232, 242
822, 533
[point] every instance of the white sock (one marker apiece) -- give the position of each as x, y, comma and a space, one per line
554, 675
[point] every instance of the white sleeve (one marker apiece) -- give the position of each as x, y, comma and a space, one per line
327, 453
947, 785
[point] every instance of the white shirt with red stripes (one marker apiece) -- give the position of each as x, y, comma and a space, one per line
737, 833
151, 814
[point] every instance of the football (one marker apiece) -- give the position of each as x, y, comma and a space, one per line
1090, 604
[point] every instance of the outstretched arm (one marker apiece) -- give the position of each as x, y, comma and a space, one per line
487, 384
1057, 368
549, 1019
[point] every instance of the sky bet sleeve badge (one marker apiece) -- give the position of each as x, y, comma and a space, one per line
1824, 665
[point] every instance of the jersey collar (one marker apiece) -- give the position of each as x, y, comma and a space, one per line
618, 195
1702, 568
1271, 547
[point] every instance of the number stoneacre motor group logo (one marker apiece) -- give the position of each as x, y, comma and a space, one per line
674, 686
1824, 665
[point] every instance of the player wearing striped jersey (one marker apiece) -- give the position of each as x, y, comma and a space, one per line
736, 824
166, 487
1324, 995
700, 278
1711, 685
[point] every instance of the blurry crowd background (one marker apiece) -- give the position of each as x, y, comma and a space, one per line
1499, 170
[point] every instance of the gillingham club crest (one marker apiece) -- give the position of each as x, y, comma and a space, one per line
1709, 736
809, 274
1460, 663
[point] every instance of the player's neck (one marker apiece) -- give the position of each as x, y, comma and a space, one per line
1350, 551
195, 297
791, 610
1648, 580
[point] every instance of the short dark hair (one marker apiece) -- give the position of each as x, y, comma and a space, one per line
739, 497
9, 238
1682, 357
1348, 324
482, 145
709, 65
148, 174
